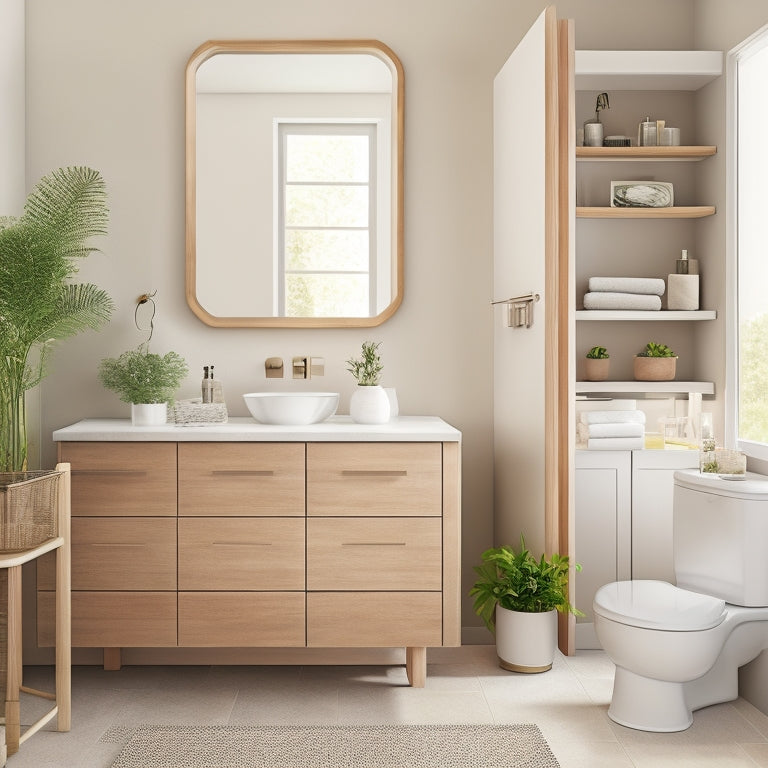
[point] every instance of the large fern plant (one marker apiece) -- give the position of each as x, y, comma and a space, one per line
39, 302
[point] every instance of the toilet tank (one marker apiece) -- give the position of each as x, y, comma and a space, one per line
721, 536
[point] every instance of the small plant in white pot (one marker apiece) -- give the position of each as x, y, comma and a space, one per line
369, 403
597, 364
146, 380
518, 597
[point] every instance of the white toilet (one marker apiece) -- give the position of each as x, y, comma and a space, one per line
679, 648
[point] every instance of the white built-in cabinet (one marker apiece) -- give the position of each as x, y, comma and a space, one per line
623, 522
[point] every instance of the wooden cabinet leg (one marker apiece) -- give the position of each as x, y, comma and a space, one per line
12, 710
112, 661
416, 666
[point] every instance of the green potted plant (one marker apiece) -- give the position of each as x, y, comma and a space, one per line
657, 362
146, 380
369, 403
39, 302
518, 597
597, 364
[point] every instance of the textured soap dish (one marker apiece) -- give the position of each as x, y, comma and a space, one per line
193, 413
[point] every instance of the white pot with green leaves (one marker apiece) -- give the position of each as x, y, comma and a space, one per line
369, 403
518, 597
145, 380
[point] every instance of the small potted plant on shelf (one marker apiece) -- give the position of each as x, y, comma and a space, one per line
597, 364
369, 403
657, 362
146, 380
518, 598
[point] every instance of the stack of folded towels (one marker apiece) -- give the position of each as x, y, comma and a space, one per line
611, 430
624, 293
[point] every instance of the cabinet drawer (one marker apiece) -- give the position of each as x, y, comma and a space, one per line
112, 619
241, 619
247, 479
122, 478
241, 553
374, 553
111, 553
374, 619
374, 479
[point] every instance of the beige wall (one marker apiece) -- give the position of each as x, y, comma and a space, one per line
105, 89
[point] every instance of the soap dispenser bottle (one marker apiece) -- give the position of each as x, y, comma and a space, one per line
207, 386
683, 286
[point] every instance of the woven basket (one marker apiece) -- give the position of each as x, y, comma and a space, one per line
197, 414
28, 517
28, 509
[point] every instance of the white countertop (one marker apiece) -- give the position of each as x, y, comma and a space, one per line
245, 429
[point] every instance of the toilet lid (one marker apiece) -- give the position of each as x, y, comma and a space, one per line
658, 605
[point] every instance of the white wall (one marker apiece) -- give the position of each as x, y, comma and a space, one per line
105, 89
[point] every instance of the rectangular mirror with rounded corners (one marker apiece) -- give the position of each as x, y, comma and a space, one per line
294, 187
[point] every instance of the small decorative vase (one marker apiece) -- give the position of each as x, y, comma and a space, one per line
596, 369
654, 368
369, 405
526, 642
148, 414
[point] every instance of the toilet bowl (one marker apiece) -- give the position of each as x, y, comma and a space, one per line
678, 648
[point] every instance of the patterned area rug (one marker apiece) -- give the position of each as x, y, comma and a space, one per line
342, 746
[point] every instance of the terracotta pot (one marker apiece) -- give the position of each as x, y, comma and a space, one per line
655, 368
526, 642
596, 369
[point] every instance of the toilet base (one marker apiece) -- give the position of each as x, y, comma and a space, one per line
648, 705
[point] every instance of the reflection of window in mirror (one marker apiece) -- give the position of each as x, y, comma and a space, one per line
327, 211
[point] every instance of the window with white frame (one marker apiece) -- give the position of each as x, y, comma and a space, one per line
326, 248
748, 247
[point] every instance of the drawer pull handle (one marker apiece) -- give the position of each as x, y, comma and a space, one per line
244, 472
242, 543
373, 544
113, 544
375, 472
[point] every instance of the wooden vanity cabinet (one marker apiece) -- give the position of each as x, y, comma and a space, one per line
264, 544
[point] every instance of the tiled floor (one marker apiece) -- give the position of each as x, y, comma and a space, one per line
569, 704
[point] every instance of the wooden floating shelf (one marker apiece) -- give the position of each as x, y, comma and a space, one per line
645, 153
675, 212
639, 387
662, 315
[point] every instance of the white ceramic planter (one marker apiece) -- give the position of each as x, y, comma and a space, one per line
148, 414
369, 405
526, 642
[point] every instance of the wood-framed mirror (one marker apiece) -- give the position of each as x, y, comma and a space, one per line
294, 183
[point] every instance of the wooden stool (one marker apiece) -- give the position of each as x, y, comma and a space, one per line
62, 698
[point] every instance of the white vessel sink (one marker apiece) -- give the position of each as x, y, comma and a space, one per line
291, 408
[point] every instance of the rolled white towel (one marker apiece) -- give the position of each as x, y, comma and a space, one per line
649, 285
612, 417
598, 300
615, 443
